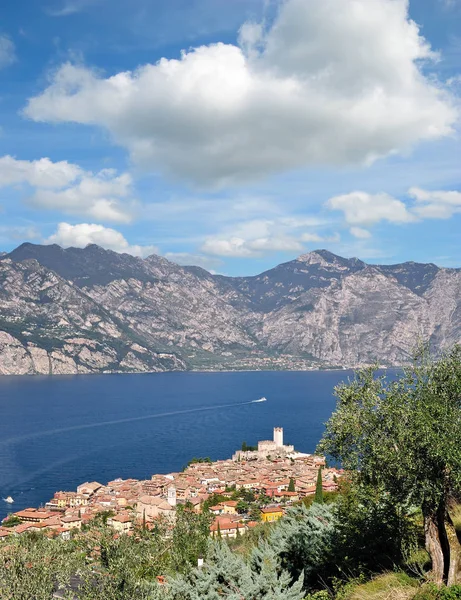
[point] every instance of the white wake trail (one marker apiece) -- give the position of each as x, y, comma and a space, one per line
48, 432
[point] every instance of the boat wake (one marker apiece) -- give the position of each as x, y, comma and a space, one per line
49, 432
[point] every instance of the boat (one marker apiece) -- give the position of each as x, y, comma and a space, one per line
9, 499
263, 399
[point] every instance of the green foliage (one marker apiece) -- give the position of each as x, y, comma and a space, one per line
11, 521
31, 566
291, 485
246, 448
432, 592
190, 538
402, 435
328, 498
388, 586
372, 534
101, 518
213, 500
321, 595
255, 513
227, 575
318, 498
196, 460
304, 538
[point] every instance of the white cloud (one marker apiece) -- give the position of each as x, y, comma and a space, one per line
70, 7
238, 247
435, 204
83, 234
65, 187
316, 238
7, 51
19, 233
260, 237
330, 83
104, 197
37, 173
361, 208
360, 233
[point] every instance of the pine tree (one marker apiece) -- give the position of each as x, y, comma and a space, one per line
227, 575
291, 486
303, 540
318, 488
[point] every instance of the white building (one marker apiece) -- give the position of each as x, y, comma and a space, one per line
272, 448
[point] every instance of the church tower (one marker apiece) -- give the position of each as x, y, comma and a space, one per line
278, 436
171, 495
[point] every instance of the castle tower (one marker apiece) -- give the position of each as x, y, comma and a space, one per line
278, 436
171, 495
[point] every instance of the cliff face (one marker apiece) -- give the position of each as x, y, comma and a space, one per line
93, 310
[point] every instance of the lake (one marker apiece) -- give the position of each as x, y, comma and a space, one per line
57, 432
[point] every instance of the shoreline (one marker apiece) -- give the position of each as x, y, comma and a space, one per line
212, 371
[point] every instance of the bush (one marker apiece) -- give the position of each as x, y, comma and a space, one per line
432, 592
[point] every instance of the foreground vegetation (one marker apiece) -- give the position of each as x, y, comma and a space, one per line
389, 534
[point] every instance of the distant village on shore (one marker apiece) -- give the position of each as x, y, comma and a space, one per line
271, 475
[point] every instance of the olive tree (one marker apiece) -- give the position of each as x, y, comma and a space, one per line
404, 435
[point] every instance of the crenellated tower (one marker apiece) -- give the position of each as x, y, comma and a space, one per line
278, 436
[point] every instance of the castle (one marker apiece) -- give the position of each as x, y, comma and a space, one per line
267, 448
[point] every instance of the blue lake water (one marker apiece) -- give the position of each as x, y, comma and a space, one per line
57, 432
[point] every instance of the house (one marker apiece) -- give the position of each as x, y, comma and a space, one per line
271, 513
72, 522
88, 488
217, 510
34, 515
289, 496
151, 507
27, 527
227, 528
230, 507
122, 523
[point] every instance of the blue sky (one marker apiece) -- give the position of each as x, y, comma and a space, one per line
233, 134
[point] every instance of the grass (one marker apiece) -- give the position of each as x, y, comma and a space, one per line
389, 586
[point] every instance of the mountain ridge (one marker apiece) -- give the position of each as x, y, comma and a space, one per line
81, 310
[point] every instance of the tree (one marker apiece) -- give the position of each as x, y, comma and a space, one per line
318, 498
190, 538
226, 575
402, 436
11, 521
291, 486
303, 541
255, 513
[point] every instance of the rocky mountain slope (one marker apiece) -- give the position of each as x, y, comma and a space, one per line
93, 310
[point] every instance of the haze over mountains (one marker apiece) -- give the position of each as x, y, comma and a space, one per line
94, 310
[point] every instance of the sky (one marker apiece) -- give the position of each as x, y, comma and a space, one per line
233, 134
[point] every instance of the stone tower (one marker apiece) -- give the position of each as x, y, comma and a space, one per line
278, 436
171, 495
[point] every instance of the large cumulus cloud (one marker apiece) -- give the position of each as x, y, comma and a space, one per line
330, 82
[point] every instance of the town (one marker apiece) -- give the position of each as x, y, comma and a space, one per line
256, 485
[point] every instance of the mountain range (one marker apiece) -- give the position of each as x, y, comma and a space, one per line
74, 310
